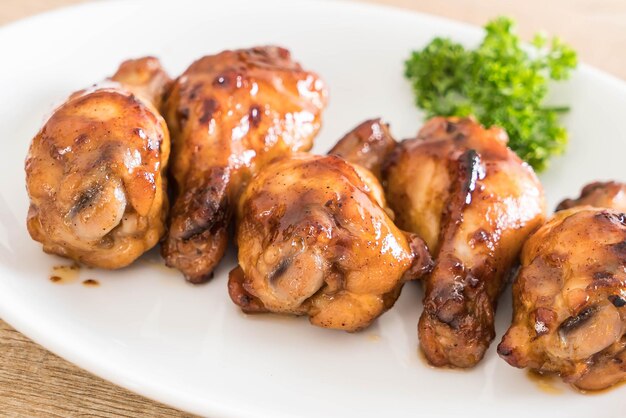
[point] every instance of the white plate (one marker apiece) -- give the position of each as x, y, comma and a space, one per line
145, 329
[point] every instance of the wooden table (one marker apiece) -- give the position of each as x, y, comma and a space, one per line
35, 382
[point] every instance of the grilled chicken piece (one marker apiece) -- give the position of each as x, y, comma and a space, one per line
474, 202
95, 171
315, 240
230, 114
368, 145
569, 299
609, 194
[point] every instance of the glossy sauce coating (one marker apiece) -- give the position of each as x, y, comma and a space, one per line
458, 186
95, 171
569, 298
314, 240
609, 194
230, 114
369, 145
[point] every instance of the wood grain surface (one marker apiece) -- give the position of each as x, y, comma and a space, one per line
37, 383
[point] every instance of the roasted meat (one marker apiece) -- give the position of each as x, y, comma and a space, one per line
314, 239
95, 171
459, 187
609, 194
368, 145
569, 299
229, 115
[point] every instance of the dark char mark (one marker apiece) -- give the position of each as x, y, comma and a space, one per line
620, 249
280, 269
574, 322
206, 207
255, 116
209, 107
617, 301
86, 198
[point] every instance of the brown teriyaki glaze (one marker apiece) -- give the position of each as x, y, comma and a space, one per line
65, 274
609, 194
547, 383
459, 186
569, 299
95, 171
314, 239
368, 145
230, 114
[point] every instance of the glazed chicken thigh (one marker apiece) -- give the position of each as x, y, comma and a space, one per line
315, 240
569, 299
95, 171
230, 114
459, 187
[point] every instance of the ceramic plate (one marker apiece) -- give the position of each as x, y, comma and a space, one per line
144, 328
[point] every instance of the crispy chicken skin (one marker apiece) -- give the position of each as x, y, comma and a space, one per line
95, 171
315, 240
459, 187
569, 299
230, 114
368, 145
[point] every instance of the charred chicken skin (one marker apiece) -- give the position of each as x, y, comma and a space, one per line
230, 114
95, 171
459, 187
315, 240
569, 299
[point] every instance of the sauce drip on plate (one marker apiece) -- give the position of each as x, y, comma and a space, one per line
545, 382
65, 274
91, 283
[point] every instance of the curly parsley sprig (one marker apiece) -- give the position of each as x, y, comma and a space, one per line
500, 83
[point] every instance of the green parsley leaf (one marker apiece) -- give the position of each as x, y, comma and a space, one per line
500, 83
